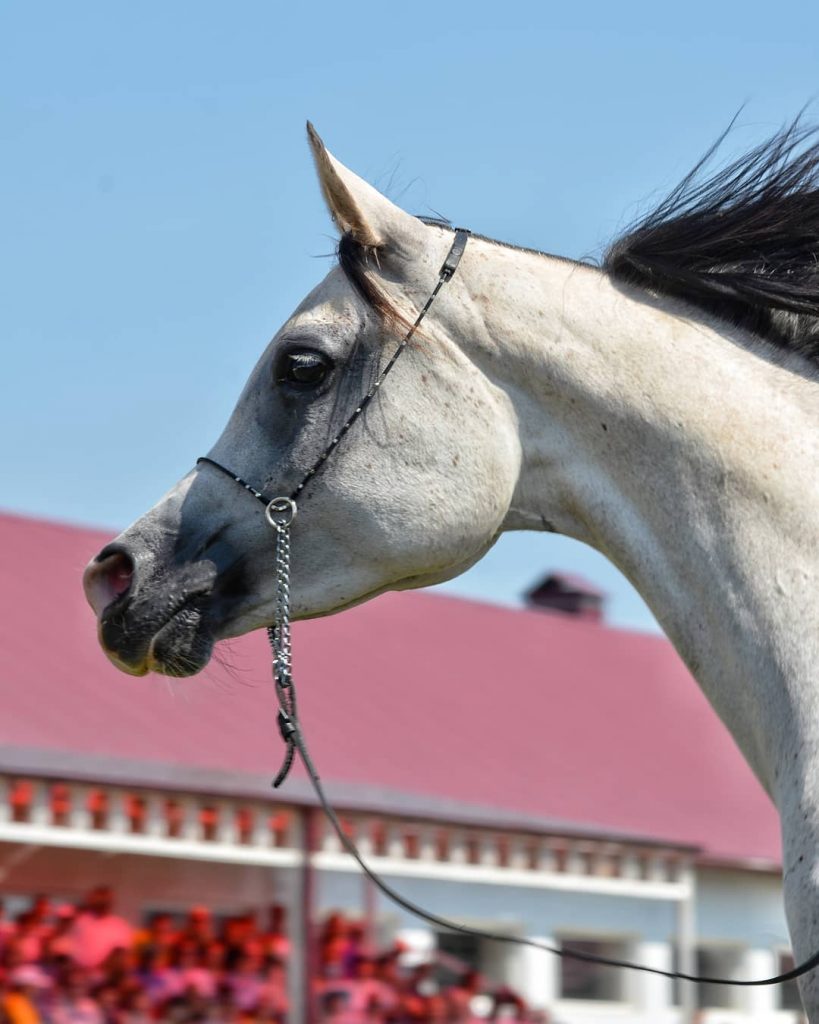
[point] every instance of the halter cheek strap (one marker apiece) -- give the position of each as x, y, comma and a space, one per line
447, 271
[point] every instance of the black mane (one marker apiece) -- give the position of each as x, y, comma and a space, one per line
741, 243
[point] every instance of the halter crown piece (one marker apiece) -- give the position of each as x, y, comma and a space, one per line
280, 513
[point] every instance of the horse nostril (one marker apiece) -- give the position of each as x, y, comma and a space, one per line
108, 578
120, 574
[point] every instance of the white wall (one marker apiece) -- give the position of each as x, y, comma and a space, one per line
741, 905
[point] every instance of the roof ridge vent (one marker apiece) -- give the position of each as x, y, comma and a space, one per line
568, 594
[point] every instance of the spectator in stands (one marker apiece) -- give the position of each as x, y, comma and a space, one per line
117, 968
334, 1009
71, 1003
224, 1009
136, 1007
107, 997
159, 935
332, 942
275, 942
41, 913
18, 1004
28, 938
192, 975
58, 942
352, 948
198, 929
6, 926
273, 998
469, 985
156, 977
507, 1005
214, 960
366, 993
97, 931
245, 982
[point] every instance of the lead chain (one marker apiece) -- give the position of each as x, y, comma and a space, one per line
281, 627
280, 513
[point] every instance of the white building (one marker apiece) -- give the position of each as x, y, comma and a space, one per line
536, 774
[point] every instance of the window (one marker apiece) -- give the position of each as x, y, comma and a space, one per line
717, 962
464, 949
456, 954
789, 998
582, 980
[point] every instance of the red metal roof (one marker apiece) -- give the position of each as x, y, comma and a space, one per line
413, 693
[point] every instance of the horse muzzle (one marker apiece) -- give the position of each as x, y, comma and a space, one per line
151, 619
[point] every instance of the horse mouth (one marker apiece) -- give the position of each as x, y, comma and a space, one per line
181, 645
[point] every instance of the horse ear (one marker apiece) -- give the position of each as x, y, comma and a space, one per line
355, 206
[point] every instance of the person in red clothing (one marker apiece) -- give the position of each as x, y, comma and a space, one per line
97, 930
72, 1004
275, 942
198, 929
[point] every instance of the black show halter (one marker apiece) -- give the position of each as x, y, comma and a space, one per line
280, 513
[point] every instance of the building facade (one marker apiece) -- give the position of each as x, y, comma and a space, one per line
670, 860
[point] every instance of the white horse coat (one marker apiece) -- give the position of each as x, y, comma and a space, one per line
543, 395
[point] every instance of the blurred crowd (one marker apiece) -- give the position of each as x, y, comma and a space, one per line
85, 964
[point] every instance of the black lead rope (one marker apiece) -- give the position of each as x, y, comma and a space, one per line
280, 512
296, 738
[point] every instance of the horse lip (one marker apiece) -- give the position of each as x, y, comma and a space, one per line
192, 660
144, 660
124, 666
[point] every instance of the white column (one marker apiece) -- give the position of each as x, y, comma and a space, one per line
630, 865
363, 837
518, 854
686, 944
538, 974
575, 860
651, 992
457, 848
546, 857
40, 807
189, 826
226, 831
758, 1001
488, 855
427, 849
80, 817
155, 824
260, 831
298, 931
394, 846
5, 794
118, 821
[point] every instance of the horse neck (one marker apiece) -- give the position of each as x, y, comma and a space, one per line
685, 457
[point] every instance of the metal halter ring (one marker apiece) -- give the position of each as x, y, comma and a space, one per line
280, 512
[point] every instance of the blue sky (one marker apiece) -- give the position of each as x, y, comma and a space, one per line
159, 216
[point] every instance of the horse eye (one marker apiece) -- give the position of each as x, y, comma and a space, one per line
304, 369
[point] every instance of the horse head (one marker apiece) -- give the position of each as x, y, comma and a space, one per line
417, 492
